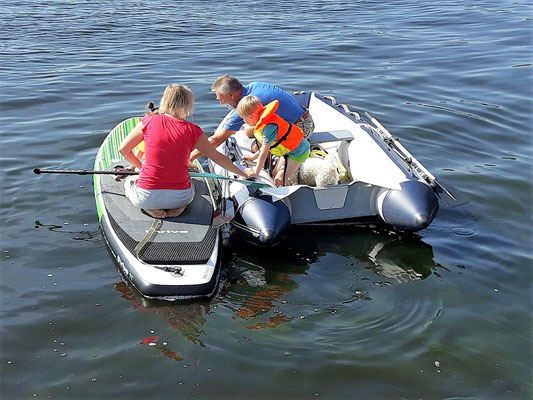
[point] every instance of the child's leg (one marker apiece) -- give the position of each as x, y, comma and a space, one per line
292, 167
277, 171
280, 164
255, 146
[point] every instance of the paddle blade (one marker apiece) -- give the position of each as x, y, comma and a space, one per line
449, 195
224, 213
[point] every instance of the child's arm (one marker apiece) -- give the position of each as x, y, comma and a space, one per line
263, 154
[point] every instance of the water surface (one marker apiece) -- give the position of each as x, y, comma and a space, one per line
337, 312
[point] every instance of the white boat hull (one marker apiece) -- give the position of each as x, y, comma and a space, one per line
386, 182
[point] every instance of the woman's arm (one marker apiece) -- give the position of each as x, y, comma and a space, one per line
211, 152
218, 138
128, 144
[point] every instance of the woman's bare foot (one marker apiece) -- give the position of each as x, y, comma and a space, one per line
157, 213
174, 212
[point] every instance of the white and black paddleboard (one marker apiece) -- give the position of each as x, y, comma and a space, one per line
171, 258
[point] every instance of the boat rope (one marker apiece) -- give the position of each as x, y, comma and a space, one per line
150, 234
392, 142
343, 106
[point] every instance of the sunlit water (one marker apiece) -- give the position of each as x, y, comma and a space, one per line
358, 313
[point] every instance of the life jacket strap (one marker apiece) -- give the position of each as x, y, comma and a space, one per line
281, 139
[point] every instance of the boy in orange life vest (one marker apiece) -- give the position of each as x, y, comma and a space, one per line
276, 136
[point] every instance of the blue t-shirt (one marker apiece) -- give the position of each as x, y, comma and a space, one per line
289, 108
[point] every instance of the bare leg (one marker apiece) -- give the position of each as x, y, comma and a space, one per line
280, 165
254, 147
249, 131
292, 167
157, 213
175, 212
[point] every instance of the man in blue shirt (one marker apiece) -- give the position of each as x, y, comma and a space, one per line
229, 91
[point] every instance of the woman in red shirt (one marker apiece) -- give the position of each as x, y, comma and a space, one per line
163, 188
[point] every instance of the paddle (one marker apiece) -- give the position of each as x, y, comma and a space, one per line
192, 174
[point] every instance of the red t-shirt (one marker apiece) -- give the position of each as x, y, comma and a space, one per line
169, 143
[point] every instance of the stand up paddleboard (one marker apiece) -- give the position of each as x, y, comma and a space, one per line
172, 258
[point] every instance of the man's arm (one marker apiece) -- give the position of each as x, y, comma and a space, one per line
218, 138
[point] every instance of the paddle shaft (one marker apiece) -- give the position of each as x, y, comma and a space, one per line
82, 172
192, 174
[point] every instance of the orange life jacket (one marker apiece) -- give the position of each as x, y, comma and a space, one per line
289, 135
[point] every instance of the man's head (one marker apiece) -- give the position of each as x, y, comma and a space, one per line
228, 90
250, 109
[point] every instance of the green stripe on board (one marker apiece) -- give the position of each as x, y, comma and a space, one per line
108, 154
109, 150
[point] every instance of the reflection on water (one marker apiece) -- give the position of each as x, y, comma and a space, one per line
186, 317
402, 257
451, 79
255, 280
79, 235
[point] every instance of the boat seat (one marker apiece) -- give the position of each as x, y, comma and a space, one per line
330, 136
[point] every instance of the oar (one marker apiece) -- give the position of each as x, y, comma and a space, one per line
192, 174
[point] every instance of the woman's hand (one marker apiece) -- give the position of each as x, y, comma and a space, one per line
193, 166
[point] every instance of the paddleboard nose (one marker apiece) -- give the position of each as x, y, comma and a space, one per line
410, 209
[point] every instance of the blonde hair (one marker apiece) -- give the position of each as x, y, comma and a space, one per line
177, 100
248, 105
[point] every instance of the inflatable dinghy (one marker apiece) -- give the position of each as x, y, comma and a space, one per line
374, 178
173, 258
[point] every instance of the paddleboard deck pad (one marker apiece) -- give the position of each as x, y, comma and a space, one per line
171, 258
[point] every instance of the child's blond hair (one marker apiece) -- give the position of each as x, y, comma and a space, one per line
248, 105
177, 100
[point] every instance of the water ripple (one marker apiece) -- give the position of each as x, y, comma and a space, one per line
452, 80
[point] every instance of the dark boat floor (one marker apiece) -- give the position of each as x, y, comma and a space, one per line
187, 239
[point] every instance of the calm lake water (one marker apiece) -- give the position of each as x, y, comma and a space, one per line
356, 313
